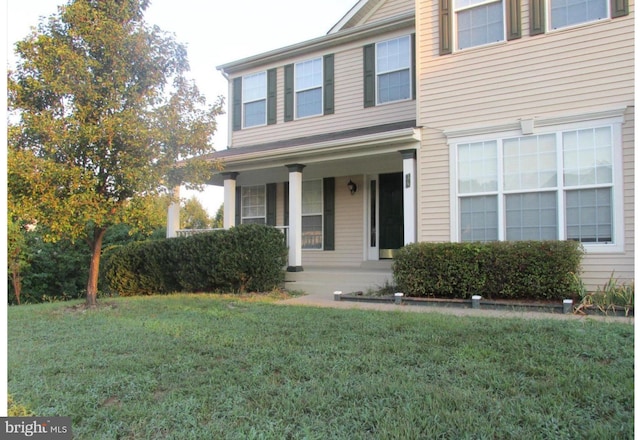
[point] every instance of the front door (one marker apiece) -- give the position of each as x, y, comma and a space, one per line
391, 217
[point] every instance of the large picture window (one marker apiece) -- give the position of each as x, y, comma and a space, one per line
558, 185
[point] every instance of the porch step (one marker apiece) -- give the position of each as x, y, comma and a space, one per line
326, 280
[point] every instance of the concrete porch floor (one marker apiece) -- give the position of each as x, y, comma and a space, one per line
324, 280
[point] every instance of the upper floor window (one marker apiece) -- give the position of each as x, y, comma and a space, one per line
478, 22
389, 71
309, 88
393, 70
554, 186
308, 85
565, 13
254, 100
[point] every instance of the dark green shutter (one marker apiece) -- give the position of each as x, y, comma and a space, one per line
537, 13
237, 104
288, 92
328, 84
514, 22
414, 84
286, 203
271, 96
369, 54
271, 203
445, 17
238, 205
619, 8
329, 212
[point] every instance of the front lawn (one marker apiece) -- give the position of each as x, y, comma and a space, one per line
205, 367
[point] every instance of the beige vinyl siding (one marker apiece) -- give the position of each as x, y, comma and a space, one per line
567, 72
349, 109
391, 8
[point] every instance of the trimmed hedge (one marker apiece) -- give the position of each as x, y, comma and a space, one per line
243, 258
496, 270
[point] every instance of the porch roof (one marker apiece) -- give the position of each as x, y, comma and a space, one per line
365, 141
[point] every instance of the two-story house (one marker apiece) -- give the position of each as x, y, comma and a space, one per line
439, 120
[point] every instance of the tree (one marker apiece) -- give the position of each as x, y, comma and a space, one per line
193, 215
104, 115
218, 220
16, 255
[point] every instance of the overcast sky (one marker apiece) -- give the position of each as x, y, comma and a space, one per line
215, 32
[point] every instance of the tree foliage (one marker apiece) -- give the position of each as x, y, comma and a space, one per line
193, 215
104, 115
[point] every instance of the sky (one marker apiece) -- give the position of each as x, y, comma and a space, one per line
215, 32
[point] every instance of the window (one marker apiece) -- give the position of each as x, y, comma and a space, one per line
570, 12
478, 22
389, 71
254, 204
550, 186
308, 85
393, 70
254, 100
312, 214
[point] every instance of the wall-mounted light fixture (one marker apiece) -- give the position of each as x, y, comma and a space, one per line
352, 187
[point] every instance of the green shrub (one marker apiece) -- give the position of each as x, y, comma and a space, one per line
523, 269
244, 258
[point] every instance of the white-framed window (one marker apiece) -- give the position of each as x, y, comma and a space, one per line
478, 22
564, 13
254, 100
563, 184
308, 88
254, 204
312, 214
393, 70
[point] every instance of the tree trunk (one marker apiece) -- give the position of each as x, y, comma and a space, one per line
16, 280
94, 268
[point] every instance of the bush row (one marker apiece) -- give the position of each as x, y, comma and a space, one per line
244, 258
496, 270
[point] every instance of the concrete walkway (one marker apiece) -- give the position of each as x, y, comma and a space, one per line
326, 300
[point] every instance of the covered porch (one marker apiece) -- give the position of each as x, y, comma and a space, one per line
345, 202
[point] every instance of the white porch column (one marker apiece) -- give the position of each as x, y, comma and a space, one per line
229, 219
410, 194
295, 218
173, 214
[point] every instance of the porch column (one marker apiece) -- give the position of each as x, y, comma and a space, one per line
295, 218
410, 194
173, 214
229, 219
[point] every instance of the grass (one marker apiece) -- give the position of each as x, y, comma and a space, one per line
206, 367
